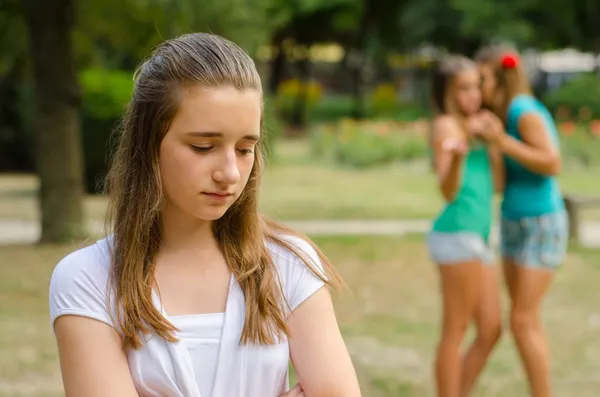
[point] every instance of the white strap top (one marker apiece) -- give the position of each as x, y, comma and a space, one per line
201, 335
164, 369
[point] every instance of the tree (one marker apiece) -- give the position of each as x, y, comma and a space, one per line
438, 23
296, 26
119, 34
58, 147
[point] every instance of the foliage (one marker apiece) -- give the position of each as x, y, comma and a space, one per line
380, 105
384, 100
120, 33
292, 92
495, 20
105, 95
105, 92
13, 38
368, 143
463, 25
578, 98
331, 108
364, 144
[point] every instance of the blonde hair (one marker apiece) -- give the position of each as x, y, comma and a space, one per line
510, 82
135, 196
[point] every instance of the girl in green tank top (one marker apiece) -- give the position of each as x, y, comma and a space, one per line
471, 208
458, 241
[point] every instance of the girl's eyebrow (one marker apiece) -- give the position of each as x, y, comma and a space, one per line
250, 137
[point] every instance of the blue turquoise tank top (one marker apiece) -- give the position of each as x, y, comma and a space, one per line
527, 193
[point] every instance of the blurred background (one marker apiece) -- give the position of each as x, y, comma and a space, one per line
347, 107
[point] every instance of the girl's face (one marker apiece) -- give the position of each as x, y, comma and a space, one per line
208, 152
488, 84
467, 91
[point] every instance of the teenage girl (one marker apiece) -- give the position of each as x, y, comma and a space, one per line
194, 293
534, 225
468, 173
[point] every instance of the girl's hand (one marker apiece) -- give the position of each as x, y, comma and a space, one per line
476, 124
491, 128
295, 391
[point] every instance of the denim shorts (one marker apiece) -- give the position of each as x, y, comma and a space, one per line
537, 241
447, 248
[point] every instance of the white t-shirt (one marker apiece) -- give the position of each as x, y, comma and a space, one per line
200, 364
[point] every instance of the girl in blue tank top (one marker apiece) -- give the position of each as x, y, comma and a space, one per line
534, 228
458, 241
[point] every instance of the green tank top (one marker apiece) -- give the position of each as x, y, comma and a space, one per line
471, 210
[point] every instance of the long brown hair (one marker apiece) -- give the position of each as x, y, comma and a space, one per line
510, 82
135, 197
443, 85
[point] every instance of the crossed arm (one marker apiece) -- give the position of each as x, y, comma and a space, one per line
319, 354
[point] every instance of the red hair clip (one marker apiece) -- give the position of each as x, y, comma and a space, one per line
509, 61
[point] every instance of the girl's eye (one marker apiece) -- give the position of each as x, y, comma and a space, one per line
201, 148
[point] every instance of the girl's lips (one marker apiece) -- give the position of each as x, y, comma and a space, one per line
217, 195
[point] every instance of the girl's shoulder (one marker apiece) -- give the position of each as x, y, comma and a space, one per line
445, 121
522, 104
90, 264
296, 251
300, 270
447, 126
79, 283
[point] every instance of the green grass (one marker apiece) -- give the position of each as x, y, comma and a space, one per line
296, 187
308, 189
390, 321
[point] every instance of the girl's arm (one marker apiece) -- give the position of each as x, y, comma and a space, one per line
449, 149
536, 152
91, 359
318, 352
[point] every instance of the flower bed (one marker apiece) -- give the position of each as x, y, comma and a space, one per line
362, 144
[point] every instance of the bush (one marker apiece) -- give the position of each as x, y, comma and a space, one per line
331, 108
409, 111
379, 105
367, 144
384, 100
105, 95
577, 99
291, 91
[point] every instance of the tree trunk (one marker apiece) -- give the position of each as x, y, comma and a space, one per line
59, 158
358, 60
277, 69
299, 113
13, 141
358, 83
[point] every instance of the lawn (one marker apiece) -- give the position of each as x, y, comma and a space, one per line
390, 321
297, 187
